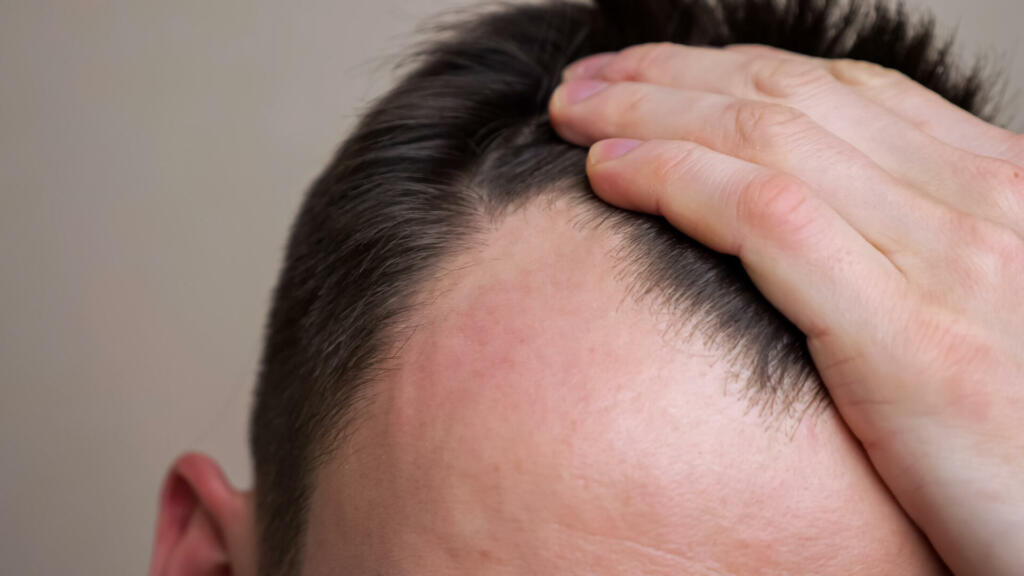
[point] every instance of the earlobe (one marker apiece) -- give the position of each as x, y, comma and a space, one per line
204, 525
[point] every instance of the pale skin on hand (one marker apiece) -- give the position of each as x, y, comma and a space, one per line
882, 220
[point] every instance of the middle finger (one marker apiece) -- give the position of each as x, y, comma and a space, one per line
771, 135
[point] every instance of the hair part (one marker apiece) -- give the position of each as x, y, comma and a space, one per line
464, 135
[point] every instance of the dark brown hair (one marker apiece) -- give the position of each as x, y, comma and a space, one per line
464, 135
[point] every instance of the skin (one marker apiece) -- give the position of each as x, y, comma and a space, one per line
526, 432
523, 432
884, 222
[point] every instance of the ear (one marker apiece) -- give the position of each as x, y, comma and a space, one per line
204, 526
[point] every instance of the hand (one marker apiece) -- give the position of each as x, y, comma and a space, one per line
882, 220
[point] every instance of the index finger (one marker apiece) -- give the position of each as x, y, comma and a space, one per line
803, 256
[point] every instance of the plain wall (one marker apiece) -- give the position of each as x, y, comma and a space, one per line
152, 156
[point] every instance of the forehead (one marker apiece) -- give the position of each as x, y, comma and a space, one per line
539, 419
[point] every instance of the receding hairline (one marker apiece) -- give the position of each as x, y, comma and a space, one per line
586, 213
356, 457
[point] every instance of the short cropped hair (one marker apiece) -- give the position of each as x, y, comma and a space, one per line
464, 136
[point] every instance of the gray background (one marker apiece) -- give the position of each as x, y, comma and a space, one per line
152, 156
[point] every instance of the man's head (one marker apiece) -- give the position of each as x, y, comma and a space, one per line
475, 366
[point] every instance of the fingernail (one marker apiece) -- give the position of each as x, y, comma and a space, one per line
611, 149
575, 92
587, 67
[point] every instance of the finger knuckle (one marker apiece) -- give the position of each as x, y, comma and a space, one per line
622, 107
990, 254
926, 124
758, 124
1002, 185
864, 73
776, 205
637, 62
672, 162
779, 78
